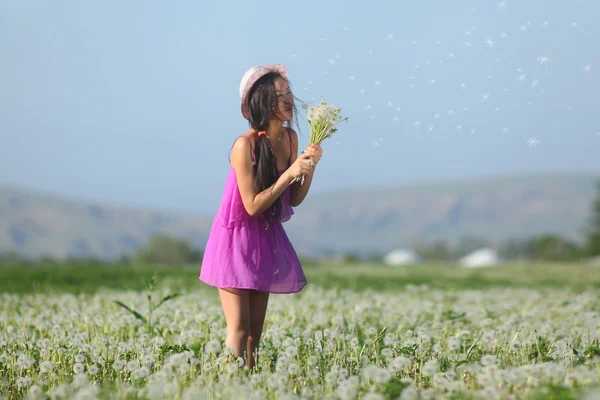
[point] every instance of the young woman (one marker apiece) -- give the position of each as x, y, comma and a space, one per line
248, 254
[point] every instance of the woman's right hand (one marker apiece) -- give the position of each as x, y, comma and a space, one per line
301, 166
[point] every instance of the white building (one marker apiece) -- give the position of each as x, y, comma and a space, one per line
401, 257
485, 257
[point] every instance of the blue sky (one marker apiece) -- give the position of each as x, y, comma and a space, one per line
137, 102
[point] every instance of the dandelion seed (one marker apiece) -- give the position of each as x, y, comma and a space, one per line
430, 128
587, 68
352, 77
485, 96
502, 4
533, 142
544, 60
436, 116
390, 36
489, 42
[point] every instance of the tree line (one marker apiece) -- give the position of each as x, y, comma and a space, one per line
169, 251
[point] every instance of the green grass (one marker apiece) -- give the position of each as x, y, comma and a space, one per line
88, 278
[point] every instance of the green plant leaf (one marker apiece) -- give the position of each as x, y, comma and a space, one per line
167, 298
135, 313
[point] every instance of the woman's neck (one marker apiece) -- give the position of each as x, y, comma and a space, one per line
274, 130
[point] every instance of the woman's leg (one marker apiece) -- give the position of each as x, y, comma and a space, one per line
235, 304
258, 310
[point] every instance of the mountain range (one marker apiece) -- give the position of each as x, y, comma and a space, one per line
362, 221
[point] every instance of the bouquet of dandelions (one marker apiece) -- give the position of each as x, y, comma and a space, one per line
322, 120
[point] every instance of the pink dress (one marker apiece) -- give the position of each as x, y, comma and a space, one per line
249, 252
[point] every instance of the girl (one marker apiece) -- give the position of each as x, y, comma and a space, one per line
248, 254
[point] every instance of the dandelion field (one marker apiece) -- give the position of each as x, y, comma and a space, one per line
491, 334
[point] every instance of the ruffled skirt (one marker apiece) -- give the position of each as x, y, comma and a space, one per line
245, 255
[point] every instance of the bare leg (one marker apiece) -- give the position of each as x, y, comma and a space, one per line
258, 310
235, 304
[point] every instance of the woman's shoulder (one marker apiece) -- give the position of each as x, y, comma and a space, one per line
245, 139
243, 144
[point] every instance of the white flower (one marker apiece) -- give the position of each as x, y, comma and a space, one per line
35, 392
399, 363
46, 366
24, 382
80, 380
118, 365
93, 369
79, 358
213, 346
373, 396
430, 368
293, 368
409, 393
291, 351
132, 365
78, 368
387, 352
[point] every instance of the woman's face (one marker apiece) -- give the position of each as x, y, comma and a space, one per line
285, 100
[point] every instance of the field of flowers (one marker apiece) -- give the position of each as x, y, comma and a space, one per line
414, 342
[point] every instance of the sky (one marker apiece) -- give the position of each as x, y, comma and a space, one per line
136, 103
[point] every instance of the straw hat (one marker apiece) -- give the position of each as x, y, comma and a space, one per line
250, 78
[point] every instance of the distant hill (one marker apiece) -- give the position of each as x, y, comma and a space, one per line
373, 220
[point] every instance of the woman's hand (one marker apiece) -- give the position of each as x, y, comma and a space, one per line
301, 166
315, 152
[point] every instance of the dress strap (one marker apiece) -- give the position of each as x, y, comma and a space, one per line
251, 149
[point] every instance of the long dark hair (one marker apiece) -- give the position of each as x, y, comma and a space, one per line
262, 104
